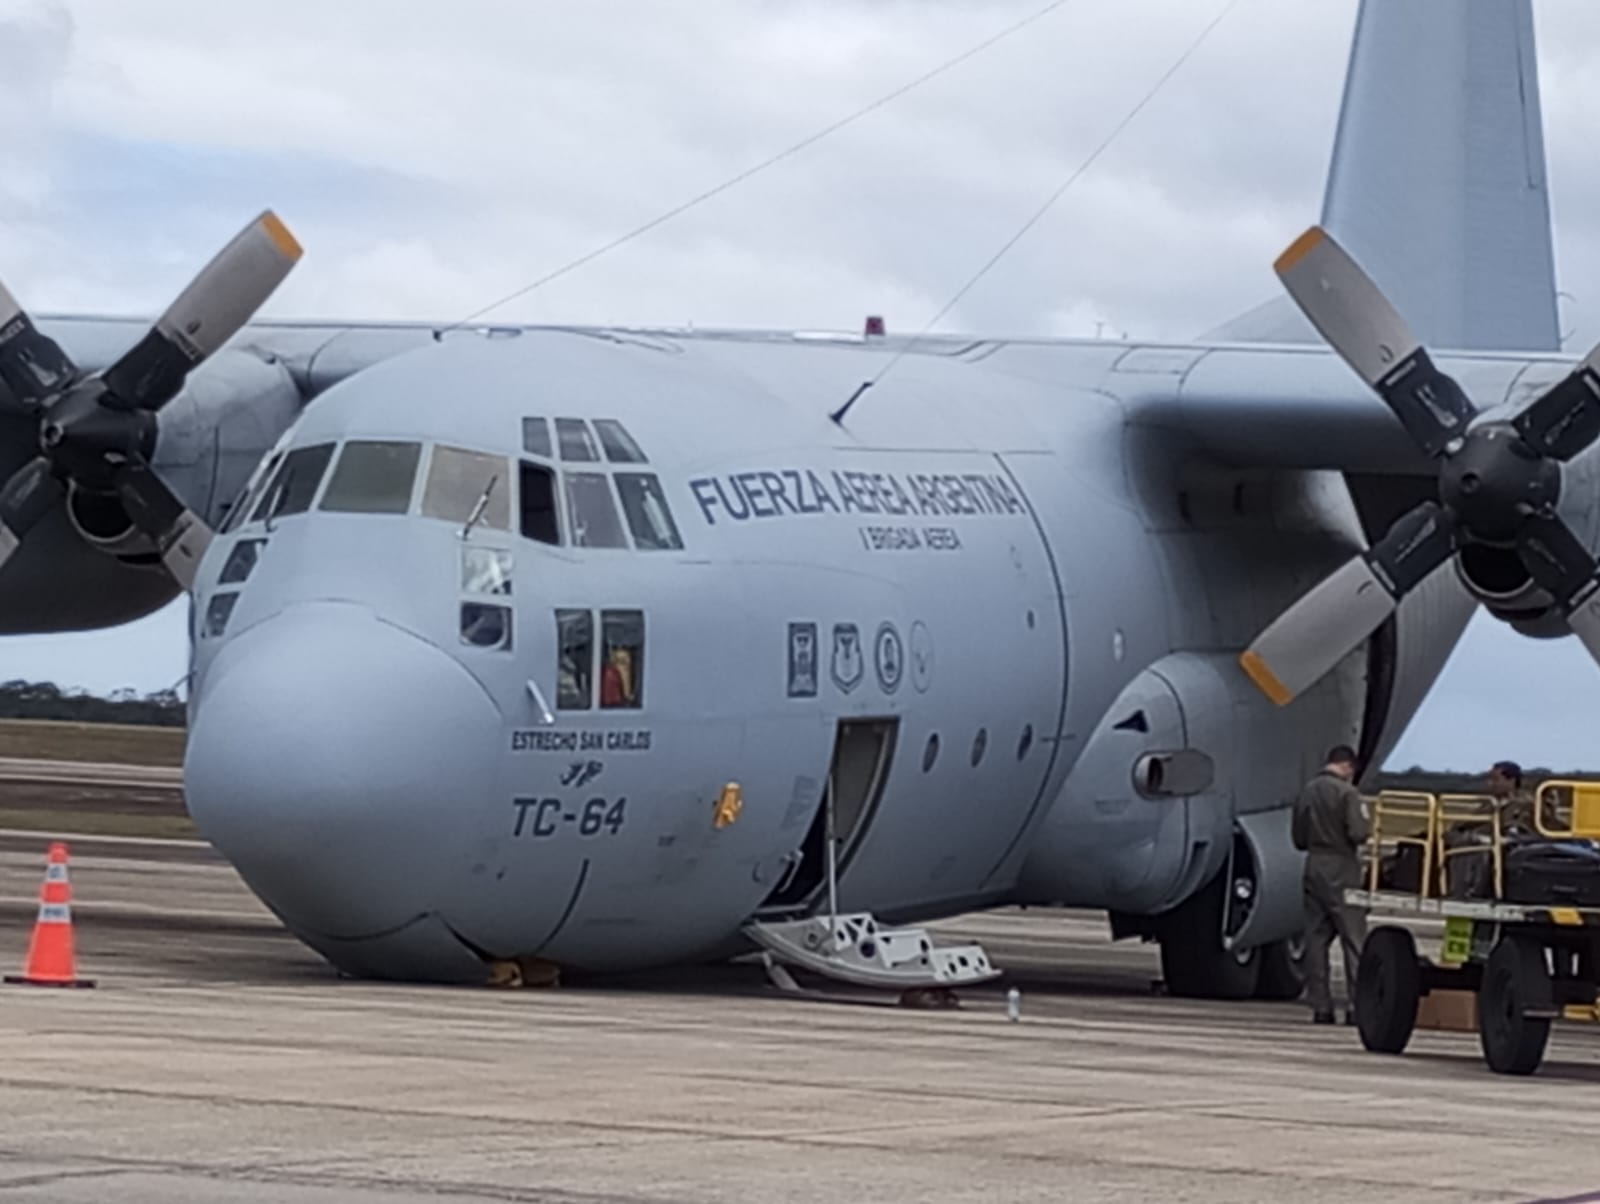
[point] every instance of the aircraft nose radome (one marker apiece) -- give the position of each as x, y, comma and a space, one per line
338, 761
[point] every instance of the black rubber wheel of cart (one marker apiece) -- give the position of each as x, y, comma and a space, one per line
1515, 980
1388, 990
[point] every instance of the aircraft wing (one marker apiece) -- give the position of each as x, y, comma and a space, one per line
1263, 406
1254, 406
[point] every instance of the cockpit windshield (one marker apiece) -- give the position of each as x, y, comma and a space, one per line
466, 485
579, 482
373, 477
295, 483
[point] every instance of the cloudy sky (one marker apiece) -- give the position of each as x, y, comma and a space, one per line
433, 158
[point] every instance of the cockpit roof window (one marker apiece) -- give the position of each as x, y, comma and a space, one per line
459, 481
619, 445
577, 442
295, 483
649, 517
373, 477
592, 513
536, 437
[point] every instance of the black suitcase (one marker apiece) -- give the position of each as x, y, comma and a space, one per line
1401, 870
1562, 873
1470, 874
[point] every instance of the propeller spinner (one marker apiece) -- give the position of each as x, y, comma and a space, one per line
1499, 482
97, 431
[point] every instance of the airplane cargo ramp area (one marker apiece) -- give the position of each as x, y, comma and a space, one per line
218, 1059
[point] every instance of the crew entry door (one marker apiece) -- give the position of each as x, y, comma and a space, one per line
862, 752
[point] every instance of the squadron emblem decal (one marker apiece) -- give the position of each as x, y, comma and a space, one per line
802, 660
848, 665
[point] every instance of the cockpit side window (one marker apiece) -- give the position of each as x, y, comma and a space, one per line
373, 477
251, 493
592, 513
486, 571
577, 443
536, 437
575, 664
649, 517
295, 483
241, 562
622, 659
461, 481
538, 490
218, 611
619, 445
486, 626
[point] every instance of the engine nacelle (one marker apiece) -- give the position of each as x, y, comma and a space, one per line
1190, 774
1497, 577
101, 520
1119, 837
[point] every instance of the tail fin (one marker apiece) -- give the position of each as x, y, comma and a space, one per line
1438, 182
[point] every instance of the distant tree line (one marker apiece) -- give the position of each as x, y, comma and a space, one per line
1446, 782
45, 700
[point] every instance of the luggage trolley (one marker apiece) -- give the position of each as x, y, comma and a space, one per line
1520, 918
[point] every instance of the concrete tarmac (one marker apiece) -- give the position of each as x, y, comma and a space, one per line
218, 1060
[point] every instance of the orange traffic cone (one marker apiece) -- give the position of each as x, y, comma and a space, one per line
52, 960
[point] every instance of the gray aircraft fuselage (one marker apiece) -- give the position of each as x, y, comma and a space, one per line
404, 741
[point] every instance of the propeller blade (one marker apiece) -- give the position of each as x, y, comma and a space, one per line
1559, 561
27, 497
1565, 420
1323, 627
179, 534
1584, 620
1555, 556
33, 368
1352, 314
217, 303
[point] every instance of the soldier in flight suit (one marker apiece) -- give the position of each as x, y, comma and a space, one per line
1516, 803
1330, 826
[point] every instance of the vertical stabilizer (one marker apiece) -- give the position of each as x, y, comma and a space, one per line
1438, 183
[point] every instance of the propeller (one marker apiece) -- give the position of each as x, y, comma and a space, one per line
1498, 482
97, 431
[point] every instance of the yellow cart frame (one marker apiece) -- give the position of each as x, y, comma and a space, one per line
1529, 964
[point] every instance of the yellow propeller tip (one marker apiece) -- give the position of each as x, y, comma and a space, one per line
1266, 680
1300, 248
288, 246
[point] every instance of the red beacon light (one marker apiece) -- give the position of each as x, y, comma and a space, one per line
874, 327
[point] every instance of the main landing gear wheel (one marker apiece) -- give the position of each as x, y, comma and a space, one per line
1283, 970
1388, 989
1515, 982
1193, 960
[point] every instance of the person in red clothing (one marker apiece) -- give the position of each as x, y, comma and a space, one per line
616, 679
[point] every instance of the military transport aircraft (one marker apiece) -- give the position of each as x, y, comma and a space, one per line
606, 648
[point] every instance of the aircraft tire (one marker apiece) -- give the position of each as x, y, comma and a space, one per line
1283, 970
1193, 961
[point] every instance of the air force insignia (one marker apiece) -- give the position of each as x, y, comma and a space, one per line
848, 665
888, 658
